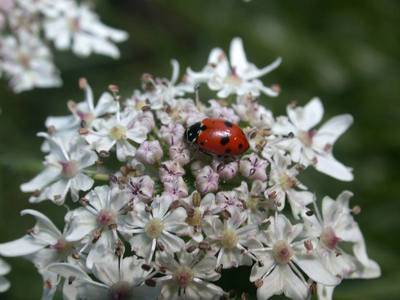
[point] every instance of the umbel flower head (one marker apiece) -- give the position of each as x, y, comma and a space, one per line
152, 216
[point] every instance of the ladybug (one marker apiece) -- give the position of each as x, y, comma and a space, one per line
218, 137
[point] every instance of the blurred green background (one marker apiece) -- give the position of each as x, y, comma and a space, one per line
346, 52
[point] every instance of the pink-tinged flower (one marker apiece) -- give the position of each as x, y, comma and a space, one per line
188, 276
4, 269
7, 5
149, 152
334, 230
156, 226
44, 244
79, 29
140, 188
218, 111
170, 171
226, 171
229, 240
284, 184
98, 220
253, 167
283, 259
172, 133
255, 204
142, 118
310, 146
228, 201
64, 171
236, 76
183, 111
207, 180
117, 278
176, 188
180, 153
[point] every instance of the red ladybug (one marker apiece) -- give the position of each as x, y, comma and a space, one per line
218, 136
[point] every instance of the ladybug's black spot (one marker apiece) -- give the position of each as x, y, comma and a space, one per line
228, 124
228, 150
224, 140
240, 146
202, 143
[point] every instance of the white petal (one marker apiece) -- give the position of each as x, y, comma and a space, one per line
68, 270
293, 286
330, 166
4, 284
272, 285
45, 177
308, 116
23, 246
331, 131
237, 56
313, 267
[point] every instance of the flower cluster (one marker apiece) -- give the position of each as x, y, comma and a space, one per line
152, 217
28, 26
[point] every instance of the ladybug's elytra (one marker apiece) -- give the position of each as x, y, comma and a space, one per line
218, 136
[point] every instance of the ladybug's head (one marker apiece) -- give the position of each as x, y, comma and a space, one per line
193, 132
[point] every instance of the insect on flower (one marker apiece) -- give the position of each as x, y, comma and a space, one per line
218, 137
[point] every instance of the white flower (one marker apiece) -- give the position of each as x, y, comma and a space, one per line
229, 238
44, 244
64, 171
334, 229
120, 278
188, 277
80, 29
284, 184
249, 109
27, 61
140, 189
119, 131
4, 269
85, 112
219, 111
158, 225
101, 212
311, 146
282, 259
236, 76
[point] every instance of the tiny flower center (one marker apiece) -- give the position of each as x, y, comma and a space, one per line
184, 276
121, 290
229, 239
306, 137
24, 60
252, 203
69, 168
62, 246
233, 79
196, 219
118, 133
282, 252
154, 228
106, 217
74, 24
286, 182
329, 238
